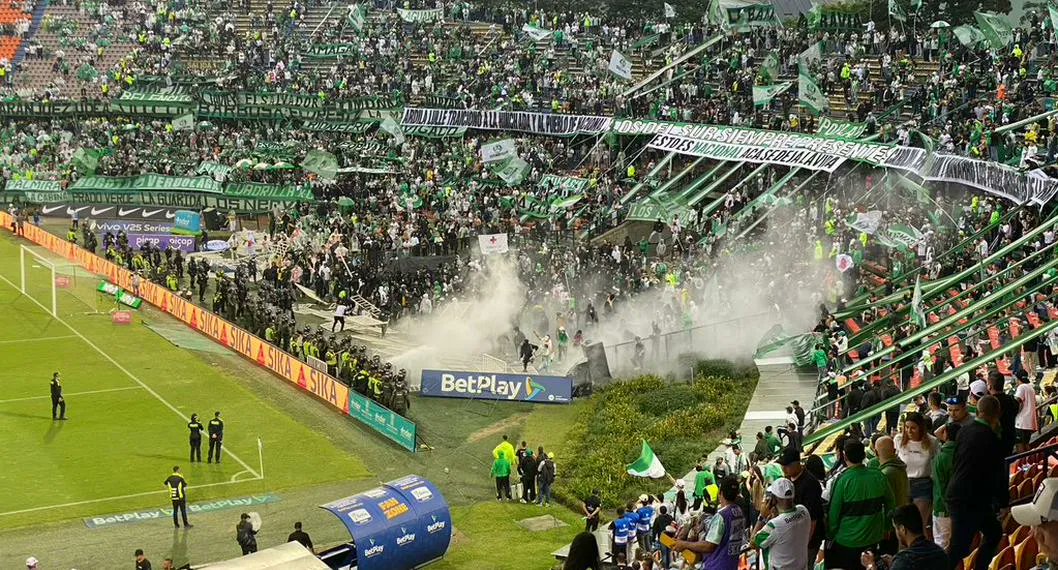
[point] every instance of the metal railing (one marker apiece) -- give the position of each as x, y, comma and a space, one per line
667, 347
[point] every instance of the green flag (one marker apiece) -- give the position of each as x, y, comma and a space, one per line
918, 315
896, 11
815, 17
969, 36
812, 54
322, 163
358, 17
648, 464
563, 203
86, 161
769, 70
810, 96
536, 33
512, 171
995, 28
763, 94
1054, 15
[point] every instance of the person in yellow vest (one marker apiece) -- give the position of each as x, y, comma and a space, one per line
172, 282
631, 171
819, 250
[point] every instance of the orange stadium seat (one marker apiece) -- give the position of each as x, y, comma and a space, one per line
9, 47
1019, 535
1003, 559
969, 561
1025, 553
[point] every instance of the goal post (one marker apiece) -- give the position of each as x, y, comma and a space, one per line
62, 287
25, 277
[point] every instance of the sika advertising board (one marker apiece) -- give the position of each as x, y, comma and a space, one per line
253, 348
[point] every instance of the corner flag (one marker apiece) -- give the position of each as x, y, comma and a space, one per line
648, 464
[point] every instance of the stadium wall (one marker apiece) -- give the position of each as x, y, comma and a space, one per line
277, 361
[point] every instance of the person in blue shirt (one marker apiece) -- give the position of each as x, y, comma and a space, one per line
633, 527
646, 518
619, 530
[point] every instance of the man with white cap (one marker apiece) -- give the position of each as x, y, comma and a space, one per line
1042, 515
978, 390
784, 538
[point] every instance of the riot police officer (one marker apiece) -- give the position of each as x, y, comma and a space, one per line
195, 427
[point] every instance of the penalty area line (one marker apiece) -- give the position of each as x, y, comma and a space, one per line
123, 369
38, 339
121, 497
103, 391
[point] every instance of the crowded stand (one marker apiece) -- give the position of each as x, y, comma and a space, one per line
333, 148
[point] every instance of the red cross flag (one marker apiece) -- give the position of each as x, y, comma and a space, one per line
493, 243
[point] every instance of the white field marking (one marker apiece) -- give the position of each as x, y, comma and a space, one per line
13, 341
235, 477
73, 394
118, 498
126, 371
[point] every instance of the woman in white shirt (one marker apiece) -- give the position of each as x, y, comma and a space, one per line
916, 448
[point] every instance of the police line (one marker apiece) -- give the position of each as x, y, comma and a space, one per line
493, 386
321, 385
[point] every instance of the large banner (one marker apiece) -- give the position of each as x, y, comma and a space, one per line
800, 158
536, 123
490, 386
264, 354
231, 105
837, 128
154, 190
416, 16
992, 177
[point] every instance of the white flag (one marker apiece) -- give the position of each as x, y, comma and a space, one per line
620, 66
536, 33
867, 222
393, 128
497, 151
670, 12
918, 314
493, 243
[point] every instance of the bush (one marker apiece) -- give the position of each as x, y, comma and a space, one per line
682, 422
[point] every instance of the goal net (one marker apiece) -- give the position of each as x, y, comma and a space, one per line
62, 287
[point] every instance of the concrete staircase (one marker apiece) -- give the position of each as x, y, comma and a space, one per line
840, 107
36, 73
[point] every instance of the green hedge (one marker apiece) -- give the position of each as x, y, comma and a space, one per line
681, 421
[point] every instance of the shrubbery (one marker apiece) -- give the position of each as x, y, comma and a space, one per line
681, 421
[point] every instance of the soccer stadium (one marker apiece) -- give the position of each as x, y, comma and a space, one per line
717, 285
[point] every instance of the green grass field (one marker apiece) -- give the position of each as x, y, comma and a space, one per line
129, 392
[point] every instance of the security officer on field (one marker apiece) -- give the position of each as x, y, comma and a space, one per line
195, 427
216, 437
58, 403
178, 495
